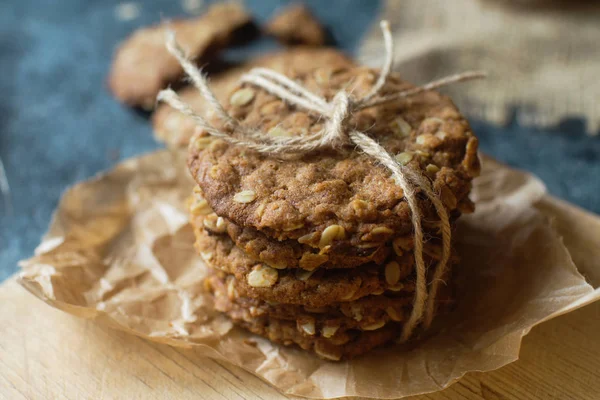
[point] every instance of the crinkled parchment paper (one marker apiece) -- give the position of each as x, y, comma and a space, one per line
119, 250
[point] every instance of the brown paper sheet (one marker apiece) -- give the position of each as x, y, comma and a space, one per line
119, 251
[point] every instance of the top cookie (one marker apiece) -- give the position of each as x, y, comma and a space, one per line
342, 194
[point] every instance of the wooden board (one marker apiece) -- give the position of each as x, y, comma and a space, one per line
47, 354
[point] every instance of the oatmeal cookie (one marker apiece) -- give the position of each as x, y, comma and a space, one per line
367, 313
330, 196
290, 253
353, 343
316, 288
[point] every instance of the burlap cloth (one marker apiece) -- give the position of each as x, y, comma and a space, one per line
543, 61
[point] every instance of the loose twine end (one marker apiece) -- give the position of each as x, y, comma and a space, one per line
335, 134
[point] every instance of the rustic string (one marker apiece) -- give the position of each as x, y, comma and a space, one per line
335, 134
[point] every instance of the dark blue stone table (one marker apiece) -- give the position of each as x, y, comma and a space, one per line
58, 124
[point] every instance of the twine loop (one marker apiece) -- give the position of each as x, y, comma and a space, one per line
336, 133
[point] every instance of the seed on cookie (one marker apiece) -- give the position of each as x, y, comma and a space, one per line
431, 124
368, 245
428, 140
260, 210
381, 230
273, 107
310, 261
206, 256
293, 227
200, 143
214, 223
431, 168
322, 76
349, 295
401, 127
307, 326
331, 233
339, 340
433, 120
422, 154
197, 192
277, 265
373, 326
330, 354
357, 313
200, 207
255, 312
392, 273
405, 157
396, 288
329, 331
307, 239
393, 314
402, 244
262, 276
214, 172
278, 131
232, 293
359, 205
304, 275
448, 197
441, 135
245, 196
241, 97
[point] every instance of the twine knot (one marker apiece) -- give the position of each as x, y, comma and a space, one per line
341, 110
336, 133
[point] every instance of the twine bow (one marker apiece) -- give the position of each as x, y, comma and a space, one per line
335, 134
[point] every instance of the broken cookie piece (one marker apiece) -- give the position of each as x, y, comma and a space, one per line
296, 25
142, 65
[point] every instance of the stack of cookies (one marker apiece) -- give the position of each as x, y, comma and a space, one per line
317, 250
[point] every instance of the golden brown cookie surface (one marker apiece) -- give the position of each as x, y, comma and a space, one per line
336, 195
